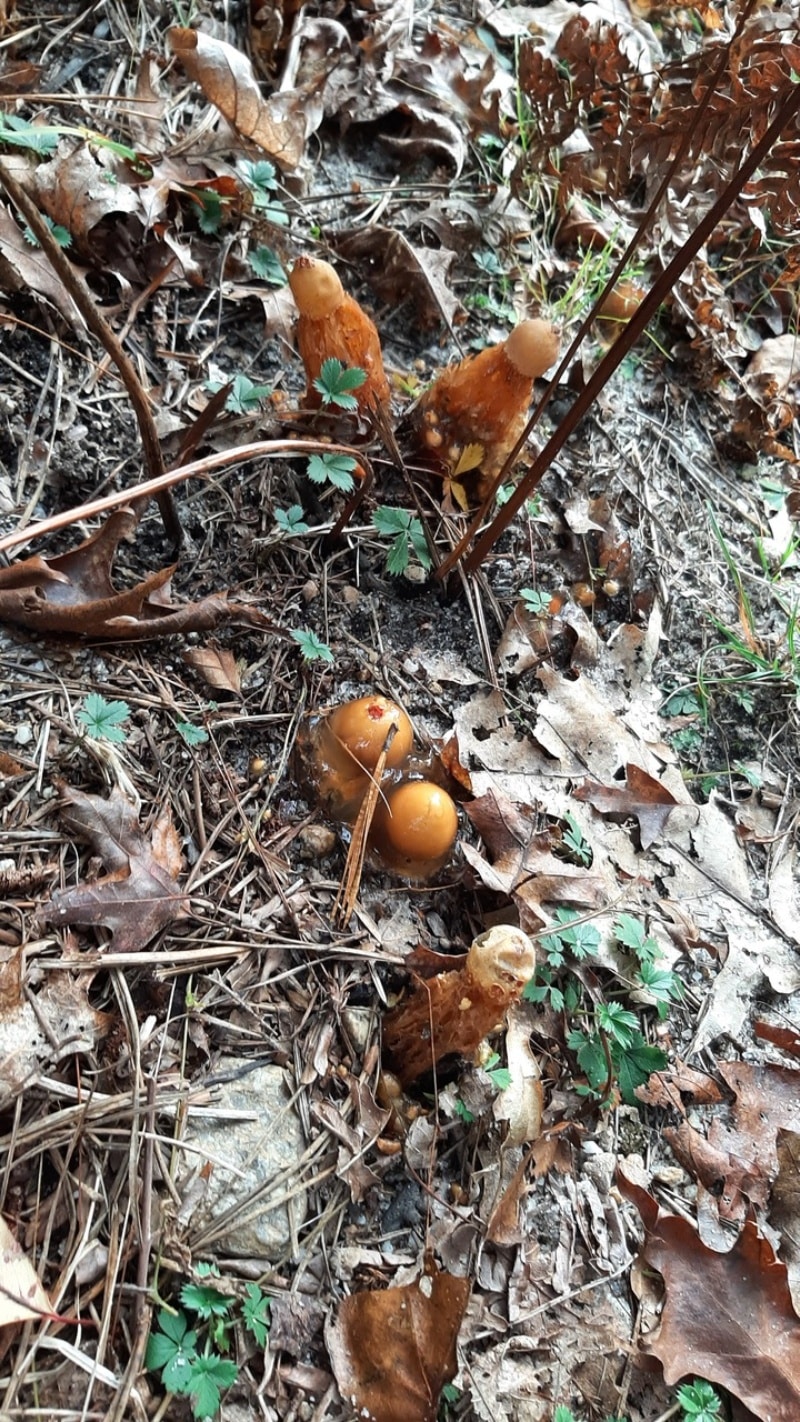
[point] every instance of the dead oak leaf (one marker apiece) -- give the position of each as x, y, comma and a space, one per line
727, 1317
643, 797
392, 1351
140, 895
523, 865
226, 77
73, 595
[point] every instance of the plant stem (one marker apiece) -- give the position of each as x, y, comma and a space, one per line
99, 327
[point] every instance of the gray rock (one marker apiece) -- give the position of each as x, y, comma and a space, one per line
239, 1159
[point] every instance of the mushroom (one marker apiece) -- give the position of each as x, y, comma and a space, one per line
454, 1011
474, 413
332, 325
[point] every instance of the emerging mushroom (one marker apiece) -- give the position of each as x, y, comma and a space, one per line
473, 414
454, 1011
333, 326
339, 751
415, 828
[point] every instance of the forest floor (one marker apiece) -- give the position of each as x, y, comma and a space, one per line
603, 1203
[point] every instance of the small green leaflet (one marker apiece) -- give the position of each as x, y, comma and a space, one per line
58, 233
192, 735
335, 382
312, 648
291, 520
103, 719
21, 134
336, 469
205, 1301
267, 267
245, 396
255, 1312
407, 536
210, 1374
172, 1350
535, 601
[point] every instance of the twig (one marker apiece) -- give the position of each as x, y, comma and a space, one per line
150, 487
97, 324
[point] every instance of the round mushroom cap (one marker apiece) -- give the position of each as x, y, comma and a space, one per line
315, 287
533, 347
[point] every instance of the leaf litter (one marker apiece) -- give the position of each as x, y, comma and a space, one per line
575, 788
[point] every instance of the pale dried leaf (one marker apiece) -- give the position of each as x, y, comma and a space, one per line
226, 77
21, 1294
217, 666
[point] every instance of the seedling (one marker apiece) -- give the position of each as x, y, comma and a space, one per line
407, 536
267, 266
191, 1359
244, 397
312, 649
262, 180
192, 735
535, 601
700, 1401
291, 520
335, 469
573, 840
610, 1046
336, 383
59, 234
103, 720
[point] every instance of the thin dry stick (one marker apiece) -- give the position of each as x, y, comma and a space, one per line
287, 448
83, 299
634, 328
354, 864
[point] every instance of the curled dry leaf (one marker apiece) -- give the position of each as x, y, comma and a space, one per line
39, 1028
73, 595
521, 1103
25, 268
523, 864
404, 272
727, 1317
140, 895
217, 666
226, 77
393, 1351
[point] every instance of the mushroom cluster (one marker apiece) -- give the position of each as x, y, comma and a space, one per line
342, 752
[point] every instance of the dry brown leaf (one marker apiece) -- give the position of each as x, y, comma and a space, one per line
523, 865
226, 77
665, 1088
784, 1213
73, 190
771, 379
403, 271
73, 595
787, 1038
140, 895
643, 797
217, 666
521, 1103
393, 1351
727, 1317
25, 268
21, 1294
